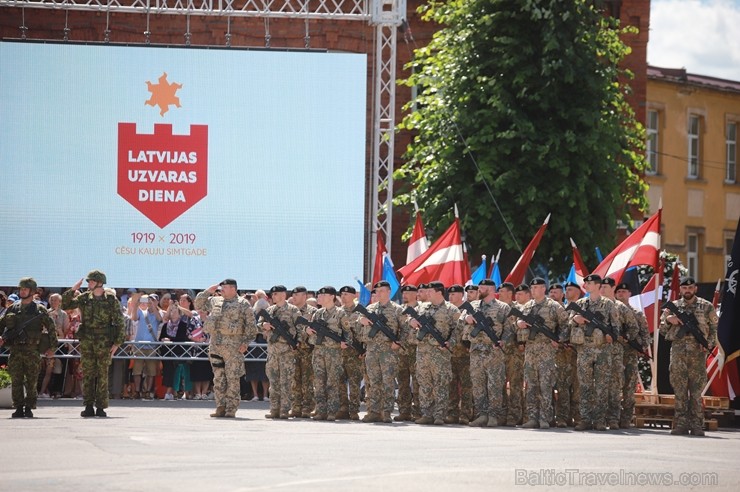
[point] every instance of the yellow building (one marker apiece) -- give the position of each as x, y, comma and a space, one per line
693, 122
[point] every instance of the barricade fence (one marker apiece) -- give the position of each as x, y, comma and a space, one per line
69, 348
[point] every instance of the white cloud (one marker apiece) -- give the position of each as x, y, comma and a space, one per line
702, 36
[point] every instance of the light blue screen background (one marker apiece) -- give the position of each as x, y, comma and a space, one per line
286, 170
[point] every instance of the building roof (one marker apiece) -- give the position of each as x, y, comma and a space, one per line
681, 76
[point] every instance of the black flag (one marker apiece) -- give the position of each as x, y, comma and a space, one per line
728, 330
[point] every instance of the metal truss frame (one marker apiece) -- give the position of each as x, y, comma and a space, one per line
385, 15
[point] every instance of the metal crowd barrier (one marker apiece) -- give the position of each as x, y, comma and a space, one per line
183, 351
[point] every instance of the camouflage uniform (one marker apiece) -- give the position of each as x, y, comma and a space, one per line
327, 364
281, 361
626, 326
352, 366
102, 327
514, 364
302, 386
539, 359
230, 324
487, 365
24, 362
631, 370
461, 386
688, 372
569, 393
408, 382
432, 364
593, 363
381, 361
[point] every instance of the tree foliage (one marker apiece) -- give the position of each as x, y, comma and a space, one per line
532, 87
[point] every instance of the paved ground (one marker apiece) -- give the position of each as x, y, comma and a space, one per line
175, 446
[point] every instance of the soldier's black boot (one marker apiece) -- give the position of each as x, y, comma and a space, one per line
28, 413
100, 413
18, 414
88, 412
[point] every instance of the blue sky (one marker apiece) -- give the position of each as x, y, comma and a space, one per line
702, 36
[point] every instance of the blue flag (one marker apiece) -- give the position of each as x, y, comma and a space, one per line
599, 256
496, 276
479, 273
572, 275
365, 294
389, 275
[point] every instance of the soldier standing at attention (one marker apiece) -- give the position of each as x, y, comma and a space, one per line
302, 388
626, 327
471, 292
556, 293
351, 362
460, 409
432, 359
327, 356
567, 412
623, 293
100, 334
381, 359
27, 329
281, 358
487, 359
592, 360
408, 384
539, 356
514, 362
688, 373
232, 328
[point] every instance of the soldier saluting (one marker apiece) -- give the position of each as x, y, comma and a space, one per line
100, 335
26, 328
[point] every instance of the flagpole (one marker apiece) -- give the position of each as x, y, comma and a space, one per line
656, 335
714, 374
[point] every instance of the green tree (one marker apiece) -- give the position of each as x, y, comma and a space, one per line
533, 88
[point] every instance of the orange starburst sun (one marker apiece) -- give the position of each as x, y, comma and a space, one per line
163, 94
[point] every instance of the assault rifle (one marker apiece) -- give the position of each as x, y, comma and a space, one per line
321, 328
18, 334
482, 322
279, 329
595, 320
379, 324
427, 327
536, 325
690, 324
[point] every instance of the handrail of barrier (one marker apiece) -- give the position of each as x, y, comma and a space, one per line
69, 348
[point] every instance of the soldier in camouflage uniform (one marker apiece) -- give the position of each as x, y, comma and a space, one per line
487, 360
302, 387
623, 293
626, 326
557, 293
351, 361
593, 361
408, 384
381, 358
567, 411
460, 408
281, 358
471, 293
327, 356
432, 360
539, 356
514, 361
232, 328
688, 373
100, 334
27, 329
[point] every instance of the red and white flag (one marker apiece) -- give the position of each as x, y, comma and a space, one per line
516, 276
444, 261
675, 283
646, 301
418, 243
380, 252
642, 247
580, 266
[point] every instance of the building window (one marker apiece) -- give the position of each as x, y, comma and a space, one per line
652, 142
692, 256
693, 146
731, 146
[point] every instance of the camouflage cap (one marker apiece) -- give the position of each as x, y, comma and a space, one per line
97, 276
27, 283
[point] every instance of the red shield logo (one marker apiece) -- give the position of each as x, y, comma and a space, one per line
162, 175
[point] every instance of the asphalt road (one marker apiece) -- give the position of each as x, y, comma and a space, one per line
174, 445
